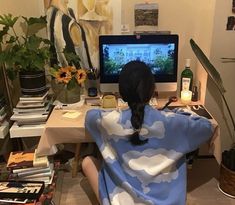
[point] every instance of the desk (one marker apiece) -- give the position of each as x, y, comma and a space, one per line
60, 129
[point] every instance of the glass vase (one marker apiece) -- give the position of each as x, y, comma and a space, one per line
65, 95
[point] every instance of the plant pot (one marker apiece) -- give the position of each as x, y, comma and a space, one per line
32, 82
227, 181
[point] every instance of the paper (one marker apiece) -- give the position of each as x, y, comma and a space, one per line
71, 114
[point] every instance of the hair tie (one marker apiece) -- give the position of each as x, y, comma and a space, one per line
137, 130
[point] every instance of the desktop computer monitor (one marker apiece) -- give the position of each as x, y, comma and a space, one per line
159, 52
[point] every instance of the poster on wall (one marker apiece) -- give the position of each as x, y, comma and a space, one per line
146, 16
94, 17
230, 23
233, 6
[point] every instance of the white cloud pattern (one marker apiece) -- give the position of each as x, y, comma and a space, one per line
152, 166
121, 197
113, 129
109, 153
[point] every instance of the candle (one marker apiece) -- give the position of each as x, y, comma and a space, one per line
186, 96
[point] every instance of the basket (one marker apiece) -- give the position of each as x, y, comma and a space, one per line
227, 181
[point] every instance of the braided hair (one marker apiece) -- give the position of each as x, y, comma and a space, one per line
136, 87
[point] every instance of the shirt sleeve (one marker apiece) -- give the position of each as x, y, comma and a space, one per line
198, 130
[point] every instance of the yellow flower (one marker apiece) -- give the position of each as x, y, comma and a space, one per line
63, 75
81, 76
72, 69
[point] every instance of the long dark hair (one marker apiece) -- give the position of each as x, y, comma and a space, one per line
136, 87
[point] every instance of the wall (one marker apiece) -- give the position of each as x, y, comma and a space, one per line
22, 7
223, 45
187, 18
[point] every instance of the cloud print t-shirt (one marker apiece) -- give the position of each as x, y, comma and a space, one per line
150, 174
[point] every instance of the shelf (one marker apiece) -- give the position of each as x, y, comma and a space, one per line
26, 130
4, 128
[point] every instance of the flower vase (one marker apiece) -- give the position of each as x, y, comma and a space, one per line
65, 95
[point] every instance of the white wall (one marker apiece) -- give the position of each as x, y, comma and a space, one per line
223, 45
22, 7
187, 18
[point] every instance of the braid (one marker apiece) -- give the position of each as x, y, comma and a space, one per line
137, 118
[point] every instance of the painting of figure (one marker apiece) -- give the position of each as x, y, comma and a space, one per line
75, 25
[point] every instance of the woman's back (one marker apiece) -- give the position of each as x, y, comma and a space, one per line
152, 173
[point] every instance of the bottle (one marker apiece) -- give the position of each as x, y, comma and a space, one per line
187, 77
195, 94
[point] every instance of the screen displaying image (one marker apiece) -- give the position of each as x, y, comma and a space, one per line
159, 57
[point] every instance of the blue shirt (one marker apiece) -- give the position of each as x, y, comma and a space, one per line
153, 173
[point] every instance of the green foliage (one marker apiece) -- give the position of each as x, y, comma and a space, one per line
23, 51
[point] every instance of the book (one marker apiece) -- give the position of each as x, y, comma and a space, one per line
31, 110
30, 105
29, 118
30, 171
20, 159
2, 117
2, 110
34, 97
37, 176
21, 189
46, 179
15, 200
40, 161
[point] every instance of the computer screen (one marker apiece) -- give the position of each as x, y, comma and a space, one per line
159, 52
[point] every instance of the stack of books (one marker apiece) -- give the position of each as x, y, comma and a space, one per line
32, 110
27, 166
4, 125
3, 113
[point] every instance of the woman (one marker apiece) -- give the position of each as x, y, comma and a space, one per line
143, 149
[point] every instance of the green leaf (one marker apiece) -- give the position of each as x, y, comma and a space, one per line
72, 83
210, 69
8, 20
3, 32
11, 73
34, 24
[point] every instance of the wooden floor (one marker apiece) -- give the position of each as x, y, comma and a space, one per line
202, 187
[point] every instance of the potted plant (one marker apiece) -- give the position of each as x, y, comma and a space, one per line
24, 52
227, 166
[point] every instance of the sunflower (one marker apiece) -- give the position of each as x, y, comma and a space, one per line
63, 75
81, 76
